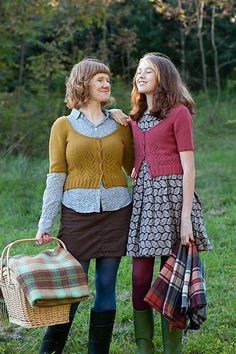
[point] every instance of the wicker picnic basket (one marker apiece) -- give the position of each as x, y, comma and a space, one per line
18, 308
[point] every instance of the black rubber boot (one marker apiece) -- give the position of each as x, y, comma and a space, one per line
55, 338
100, 331
143, 331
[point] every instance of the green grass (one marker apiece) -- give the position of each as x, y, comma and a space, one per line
22, 182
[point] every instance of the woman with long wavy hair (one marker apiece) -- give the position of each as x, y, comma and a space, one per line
165, 207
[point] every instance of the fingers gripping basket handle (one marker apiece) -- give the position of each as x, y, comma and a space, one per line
7, 252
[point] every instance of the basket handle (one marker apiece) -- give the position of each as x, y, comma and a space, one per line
8, 247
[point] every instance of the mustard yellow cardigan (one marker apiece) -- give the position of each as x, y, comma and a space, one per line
87, 160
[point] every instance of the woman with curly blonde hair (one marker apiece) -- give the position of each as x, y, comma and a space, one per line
88, 151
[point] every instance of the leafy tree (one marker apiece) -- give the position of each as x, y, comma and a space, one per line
42, 39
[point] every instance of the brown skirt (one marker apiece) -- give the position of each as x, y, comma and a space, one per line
95, 235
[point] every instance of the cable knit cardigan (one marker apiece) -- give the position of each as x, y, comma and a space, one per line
87, 160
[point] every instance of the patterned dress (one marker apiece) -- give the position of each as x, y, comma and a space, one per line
156, 215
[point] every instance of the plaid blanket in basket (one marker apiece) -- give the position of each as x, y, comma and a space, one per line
52, 277
179, 292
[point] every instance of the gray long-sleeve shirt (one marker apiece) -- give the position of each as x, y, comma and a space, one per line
83, 200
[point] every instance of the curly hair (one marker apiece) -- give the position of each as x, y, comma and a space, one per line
170, 89
77, 84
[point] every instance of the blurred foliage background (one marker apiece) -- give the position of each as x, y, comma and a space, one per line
41, 40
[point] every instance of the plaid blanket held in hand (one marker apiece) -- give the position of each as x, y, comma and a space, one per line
50, 278
179, 292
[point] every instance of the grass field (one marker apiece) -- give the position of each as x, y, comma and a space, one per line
22, 183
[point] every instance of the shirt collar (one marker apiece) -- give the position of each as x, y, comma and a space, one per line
76, 114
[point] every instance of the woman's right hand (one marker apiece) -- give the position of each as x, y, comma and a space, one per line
42, 237
186, 231
134, 174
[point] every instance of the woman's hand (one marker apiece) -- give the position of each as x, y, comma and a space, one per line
134, 174
186, 232
119, 116
42, 237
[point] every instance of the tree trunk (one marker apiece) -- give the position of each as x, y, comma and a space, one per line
103, 45
200, 13
182, 46
216, 63
15, 119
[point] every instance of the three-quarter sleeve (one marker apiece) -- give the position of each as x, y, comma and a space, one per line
57, 146
183, 130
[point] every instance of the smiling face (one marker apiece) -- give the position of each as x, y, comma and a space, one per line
146, 78
99, 88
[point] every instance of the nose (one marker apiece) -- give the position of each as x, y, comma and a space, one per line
106, 85
141, 75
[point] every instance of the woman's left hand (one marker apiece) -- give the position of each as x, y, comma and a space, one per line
186, 232
119, 116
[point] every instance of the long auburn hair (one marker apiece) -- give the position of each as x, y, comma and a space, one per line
77, 84
170, 89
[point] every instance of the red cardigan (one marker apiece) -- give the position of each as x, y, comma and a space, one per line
161, 144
